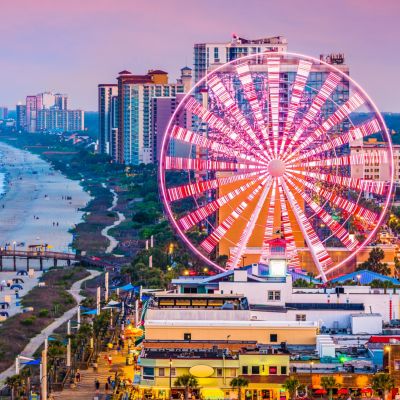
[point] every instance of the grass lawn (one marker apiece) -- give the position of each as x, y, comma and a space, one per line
49, 302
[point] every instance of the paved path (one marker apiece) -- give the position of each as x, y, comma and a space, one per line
85, 390
37, 340
121, 217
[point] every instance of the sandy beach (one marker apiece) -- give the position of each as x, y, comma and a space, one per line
40, 204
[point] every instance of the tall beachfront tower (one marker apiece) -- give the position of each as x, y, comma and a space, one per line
106, 92
214, 53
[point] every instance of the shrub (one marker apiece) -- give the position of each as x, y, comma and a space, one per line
43, 313
28, 321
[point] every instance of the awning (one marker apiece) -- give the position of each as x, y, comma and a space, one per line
90, 312
212, 393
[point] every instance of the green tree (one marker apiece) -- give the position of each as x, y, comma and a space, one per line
374, 262
13, 382
329, 383
188, 382
382, 383
239, 383
291, 385
377, 283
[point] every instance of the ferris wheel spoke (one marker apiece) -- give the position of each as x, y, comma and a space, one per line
359, 132
203, 212
192, 189
273, 67
367, 216
238, 251
269, 225
358, 184
232, 109
287, 230
218, 124
181, 163
188, 136
365, 158
318, 252
213, 239
319, 100
337, 230
243, 71
303, 71
336, 118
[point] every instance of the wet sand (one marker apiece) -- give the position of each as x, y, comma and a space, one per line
35, 209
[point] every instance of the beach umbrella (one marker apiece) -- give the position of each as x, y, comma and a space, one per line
343, 391
16, 286
366, 390
321, 391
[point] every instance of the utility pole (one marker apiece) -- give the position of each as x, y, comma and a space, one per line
98, 301
69, 344
106, 286
43, 375
79, 316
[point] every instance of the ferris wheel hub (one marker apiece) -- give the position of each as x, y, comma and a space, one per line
276, 167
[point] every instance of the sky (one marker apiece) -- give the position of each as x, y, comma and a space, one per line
70, 46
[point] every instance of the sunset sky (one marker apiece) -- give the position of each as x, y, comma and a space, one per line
72, 45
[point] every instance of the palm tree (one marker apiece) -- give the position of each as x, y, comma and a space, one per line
239, 383
291, 385
329, 383
187, 381
13, 382
382, 383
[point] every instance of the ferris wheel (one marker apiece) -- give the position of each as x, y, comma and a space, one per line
277, 145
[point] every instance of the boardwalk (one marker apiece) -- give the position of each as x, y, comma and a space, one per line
85, 390
37, 341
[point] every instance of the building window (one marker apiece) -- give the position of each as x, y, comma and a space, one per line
396, 365
148, 373
273, 370
232, 372
274, 295
173, 372
161, 371
273, 338
255, 370
283, 370
219, 372
187, 336
245, 370
300, 317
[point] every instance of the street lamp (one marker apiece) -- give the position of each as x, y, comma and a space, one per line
14, 244
387, 349
170, 378
311, 367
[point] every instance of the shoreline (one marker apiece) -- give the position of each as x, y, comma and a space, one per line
40, 205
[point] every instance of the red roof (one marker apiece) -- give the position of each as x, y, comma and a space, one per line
157, 72
382, 339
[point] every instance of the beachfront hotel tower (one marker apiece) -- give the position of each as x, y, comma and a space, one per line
135, 139
106, 93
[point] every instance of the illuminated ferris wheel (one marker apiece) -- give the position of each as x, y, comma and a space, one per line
277, 145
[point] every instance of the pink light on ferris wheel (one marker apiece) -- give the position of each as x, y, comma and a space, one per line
269, 149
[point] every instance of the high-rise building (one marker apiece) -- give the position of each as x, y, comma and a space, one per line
61, 101
21, 116
55, 120
31, 110
106, 95
3, 112
207, 54
135, 137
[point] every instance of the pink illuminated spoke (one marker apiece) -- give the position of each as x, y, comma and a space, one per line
196, 164
188, 136
203, 212
324, 93
318, 252
287, 230
350, 207
365, 158
303, 71
232, 109
357, 133
249, 91
273, 66
214, 238
358, 184
237, 252
341, 113
269, 225
337, 230
218, 124
194, 189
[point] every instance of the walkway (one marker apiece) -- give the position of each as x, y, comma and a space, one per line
121, 217
37, 341
85, 390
